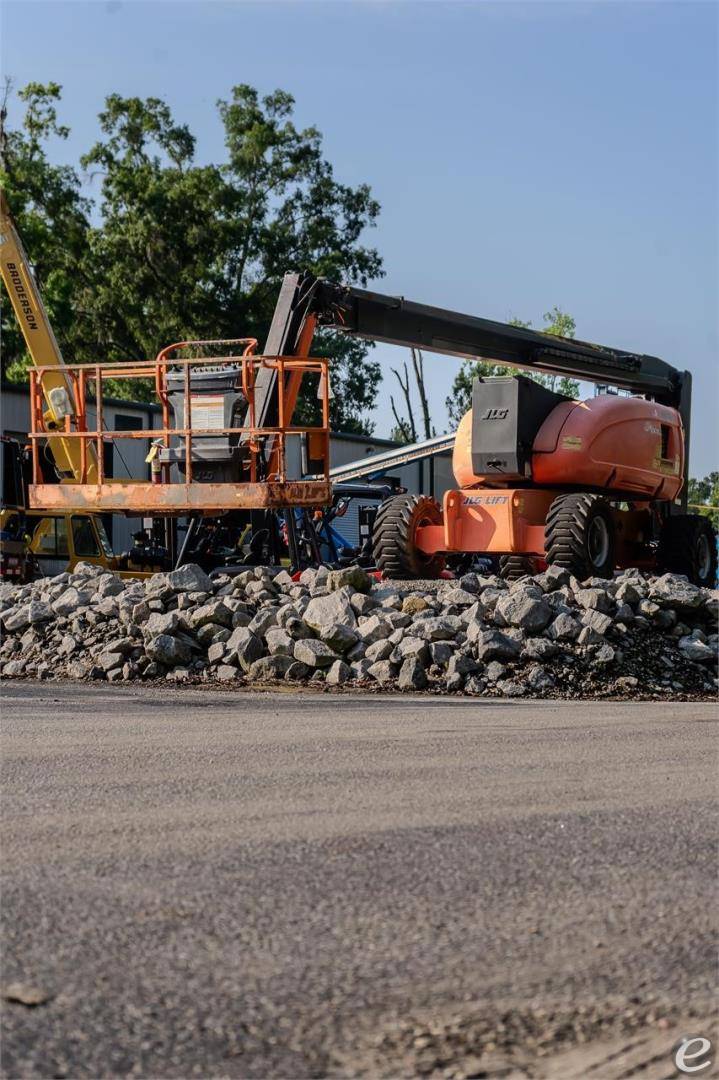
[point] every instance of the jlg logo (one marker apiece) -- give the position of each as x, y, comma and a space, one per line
494, 414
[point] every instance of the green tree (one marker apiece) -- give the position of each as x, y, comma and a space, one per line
178, 250
556, 322
405, 429
703, 497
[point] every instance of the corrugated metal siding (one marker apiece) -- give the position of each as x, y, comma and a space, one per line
14, 413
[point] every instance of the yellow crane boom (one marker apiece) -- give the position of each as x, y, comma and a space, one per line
42, 347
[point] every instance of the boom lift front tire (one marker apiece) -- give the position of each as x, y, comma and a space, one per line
688, 545
579, 535
514, 567
393, 537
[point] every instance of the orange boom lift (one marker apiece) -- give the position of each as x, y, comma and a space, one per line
589, 485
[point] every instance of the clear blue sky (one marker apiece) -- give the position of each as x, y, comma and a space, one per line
525, 154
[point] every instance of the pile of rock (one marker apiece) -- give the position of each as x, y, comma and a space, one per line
547, 635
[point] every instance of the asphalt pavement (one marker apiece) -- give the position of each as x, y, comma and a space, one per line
223, 883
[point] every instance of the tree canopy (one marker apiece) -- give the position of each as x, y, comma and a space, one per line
173, 249
703, 497
459, 402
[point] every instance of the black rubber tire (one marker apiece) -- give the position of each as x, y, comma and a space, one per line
573, 523
688, 545
393, 537
514, 567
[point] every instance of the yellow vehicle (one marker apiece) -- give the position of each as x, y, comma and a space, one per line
53, 543
42, 346
60, 541
34, 544
57, 542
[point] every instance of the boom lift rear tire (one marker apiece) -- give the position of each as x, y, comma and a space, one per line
393, 543
514, 567
579, 535
688, 545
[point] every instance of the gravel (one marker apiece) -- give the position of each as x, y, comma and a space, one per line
543, 636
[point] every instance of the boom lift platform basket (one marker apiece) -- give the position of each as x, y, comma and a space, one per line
260, 451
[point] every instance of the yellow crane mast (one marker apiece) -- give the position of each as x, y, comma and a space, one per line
43, 349
73, 537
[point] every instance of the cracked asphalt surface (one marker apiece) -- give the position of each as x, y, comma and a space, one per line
244, 884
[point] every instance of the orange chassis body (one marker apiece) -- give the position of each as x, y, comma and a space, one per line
624, 448
494, 520
504, 521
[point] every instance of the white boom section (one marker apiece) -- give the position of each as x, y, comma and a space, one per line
377, 464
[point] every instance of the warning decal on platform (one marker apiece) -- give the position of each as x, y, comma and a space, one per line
208, 412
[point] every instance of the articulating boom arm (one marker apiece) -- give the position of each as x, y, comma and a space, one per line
397, 321
305, 299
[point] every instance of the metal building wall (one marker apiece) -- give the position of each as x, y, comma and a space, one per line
128, 455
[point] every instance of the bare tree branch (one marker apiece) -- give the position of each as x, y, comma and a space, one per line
402, 428
409, 424
418, 364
